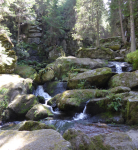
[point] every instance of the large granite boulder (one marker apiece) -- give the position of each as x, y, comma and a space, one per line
23, 103
25, 71
10, 87
113, 43
45, 139
32, 125
8, 57
94, 53
75, 100
97, 77
63, 65
38, 112
78, 140
127, 79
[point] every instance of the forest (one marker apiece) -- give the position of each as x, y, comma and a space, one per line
68, 74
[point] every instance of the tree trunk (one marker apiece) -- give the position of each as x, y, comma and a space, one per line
121, 23
18, 28
97, 24
133, 43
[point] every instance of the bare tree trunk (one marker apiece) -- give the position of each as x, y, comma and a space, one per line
97, 44
121, 22
18, 28
133, 43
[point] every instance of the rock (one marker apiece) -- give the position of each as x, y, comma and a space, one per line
74, 100
5, 41
55, 87
38, 112
126, 79
78, 140
33, 125
94, 53
98, 77
132, 109
119, 59
113, 43
22, 104
25, 71
34, 35
44, 75
63, 65
41, 99
34, 40
123, 52
116, 140
120, 89
45, 139
8, 57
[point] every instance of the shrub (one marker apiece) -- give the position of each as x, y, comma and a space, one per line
133, 58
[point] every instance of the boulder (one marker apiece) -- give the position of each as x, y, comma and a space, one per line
116, 140
75, 100
120, 89
33, 125
78, 140
25, 71
34, 40
97, 77
63, 65
45, 139
113, 43
132, 109
44, 75
34, 35
94, 53
8, 57
127, 79
38, 112
10, 87
55, 87
22, 104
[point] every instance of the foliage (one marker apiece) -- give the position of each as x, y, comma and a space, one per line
115, 104
133, 58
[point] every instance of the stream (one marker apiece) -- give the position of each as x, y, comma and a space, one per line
90, 125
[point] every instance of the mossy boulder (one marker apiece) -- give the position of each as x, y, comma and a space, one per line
23, 103
45, 139
75, 100
33, 125
94, 53
120, 89
78, 140
113, 141
10, 87
63, 65
44, 75
126, 79
55, 87
8, 57
38, 112
25, 71
97, 77
132, 109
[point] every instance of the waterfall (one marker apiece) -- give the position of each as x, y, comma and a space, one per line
40, 91
82, 115
118, 68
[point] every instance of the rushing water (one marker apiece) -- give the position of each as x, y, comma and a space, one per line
40, 92
120, 67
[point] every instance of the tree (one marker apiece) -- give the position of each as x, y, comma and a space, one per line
121, 22
133, 43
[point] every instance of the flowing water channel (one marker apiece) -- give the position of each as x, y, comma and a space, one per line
82, 121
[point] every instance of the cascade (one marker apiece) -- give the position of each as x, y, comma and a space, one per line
118, 68
40, 91
82, 115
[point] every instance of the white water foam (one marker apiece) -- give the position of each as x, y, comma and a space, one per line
40, 92
82, 115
